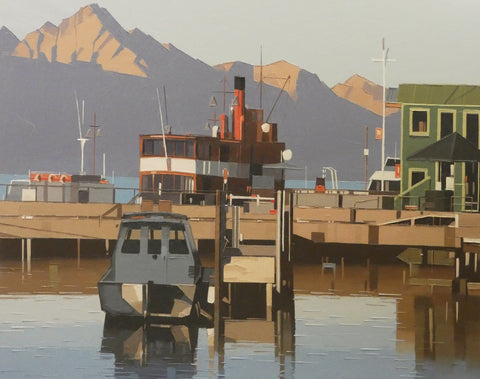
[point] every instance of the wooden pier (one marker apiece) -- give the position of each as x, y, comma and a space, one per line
24, 225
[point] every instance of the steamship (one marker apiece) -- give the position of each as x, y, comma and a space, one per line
242, 157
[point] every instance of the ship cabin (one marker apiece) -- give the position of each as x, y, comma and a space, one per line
232, 158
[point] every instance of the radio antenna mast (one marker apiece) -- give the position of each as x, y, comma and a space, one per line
163, 130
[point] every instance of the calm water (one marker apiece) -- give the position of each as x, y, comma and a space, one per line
362, 323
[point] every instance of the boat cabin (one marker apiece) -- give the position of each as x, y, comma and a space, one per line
156, 247
155, 269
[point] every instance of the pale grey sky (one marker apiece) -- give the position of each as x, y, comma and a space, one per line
433, 41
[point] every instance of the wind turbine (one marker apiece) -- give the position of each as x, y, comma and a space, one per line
81, 139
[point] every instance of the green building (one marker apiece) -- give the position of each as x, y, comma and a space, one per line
430, 114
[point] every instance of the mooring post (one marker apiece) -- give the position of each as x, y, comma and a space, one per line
78, 252
235, 226
278, 242
343, 267
220, 224
29, 255
23, 255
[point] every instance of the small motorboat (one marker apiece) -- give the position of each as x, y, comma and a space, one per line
155, 270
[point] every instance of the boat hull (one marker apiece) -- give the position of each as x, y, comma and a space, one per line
147, 300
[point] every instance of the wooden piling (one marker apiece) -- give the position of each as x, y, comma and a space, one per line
29, 255
23, 255
220, 220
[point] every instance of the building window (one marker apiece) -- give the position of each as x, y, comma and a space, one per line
472, 129
416, 175
446, 124
419, 122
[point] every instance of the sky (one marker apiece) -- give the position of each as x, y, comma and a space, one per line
430, 41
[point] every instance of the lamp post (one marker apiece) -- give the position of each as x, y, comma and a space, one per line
384, 61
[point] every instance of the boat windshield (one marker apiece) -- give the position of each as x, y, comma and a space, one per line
173, 235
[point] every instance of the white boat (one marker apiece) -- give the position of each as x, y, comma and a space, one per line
155, 270
389, 176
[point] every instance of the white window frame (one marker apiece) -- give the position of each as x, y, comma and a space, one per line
416, 169
420, 134
439, 120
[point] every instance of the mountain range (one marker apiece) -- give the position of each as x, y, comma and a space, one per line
118, 74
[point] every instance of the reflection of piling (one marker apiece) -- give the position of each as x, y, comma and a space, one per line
27, 245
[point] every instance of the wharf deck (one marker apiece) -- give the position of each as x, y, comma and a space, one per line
30, 220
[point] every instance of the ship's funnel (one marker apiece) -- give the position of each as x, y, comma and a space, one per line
239, 108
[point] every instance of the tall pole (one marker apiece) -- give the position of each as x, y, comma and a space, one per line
94, 129
94, 133
384, 61
261, 75
365, 153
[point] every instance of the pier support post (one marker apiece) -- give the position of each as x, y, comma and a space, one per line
29, 255
236, 226
23, 255
268, 311
220, 224
78, 251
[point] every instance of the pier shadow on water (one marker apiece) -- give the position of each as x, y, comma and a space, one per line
365, 321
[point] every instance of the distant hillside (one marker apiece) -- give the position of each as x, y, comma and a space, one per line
363, 92
118, 72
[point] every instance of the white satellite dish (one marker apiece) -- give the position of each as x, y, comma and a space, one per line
287, 155
265, 127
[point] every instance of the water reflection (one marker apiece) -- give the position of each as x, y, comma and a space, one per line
364, 321
152, 350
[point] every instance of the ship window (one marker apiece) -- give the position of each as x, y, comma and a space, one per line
170, 147
153, 147
168, 181
155, 240
131, 242
419, 122
179, 148
189, 149
146, 182
147, 147
224, 153
203, 151
177, 243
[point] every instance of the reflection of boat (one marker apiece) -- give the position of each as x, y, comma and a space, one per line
390, 176
155, 269
157, 350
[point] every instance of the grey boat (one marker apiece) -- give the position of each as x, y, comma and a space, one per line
155, 270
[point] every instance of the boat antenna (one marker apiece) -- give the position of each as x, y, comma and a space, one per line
163, 130
278, 97
165, 103
81, 139
261, 75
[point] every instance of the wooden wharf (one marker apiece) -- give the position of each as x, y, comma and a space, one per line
25, 222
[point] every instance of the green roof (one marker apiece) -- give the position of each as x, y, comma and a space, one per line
439, 94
